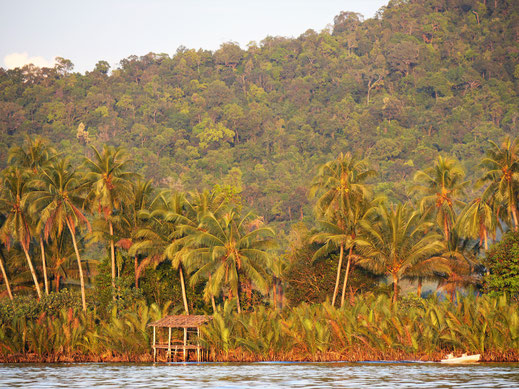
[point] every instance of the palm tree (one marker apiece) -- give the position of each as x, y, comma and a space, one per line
441, 185
343, 193
462, 261
33, 156
4, 274
111, 187
478, 220
160, 238
394, 240
502, 174
223, 252
60, 191
131, 223
16, 226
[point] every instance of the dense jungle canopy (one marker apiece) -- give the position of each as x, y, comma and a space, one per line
420, 78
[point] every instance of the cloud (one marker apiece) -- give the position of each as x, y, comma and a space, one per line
18, 60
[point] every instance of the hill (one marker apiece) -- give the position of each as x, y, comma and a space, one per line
421, 78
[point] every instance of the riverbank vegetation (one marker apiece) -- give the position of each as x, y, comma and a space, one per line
200, 249
352, 194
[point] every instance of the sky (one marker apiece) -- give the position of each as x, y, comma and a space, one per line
87, 31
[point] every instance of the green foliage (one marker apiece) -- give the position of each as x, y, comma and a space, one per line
30, 309
418, 79
502, 262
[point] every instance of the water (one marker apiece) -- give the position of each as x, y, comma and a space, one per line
250, 375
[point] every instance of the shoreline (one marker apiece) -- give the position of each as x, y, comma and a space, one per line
240, 357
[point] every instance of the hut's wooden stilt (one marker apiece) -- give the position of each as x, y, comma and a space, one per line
185, 342
169, 344
197, 344
154, 348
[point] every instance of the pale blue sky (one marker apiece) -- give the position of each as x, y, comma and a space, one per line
91, 30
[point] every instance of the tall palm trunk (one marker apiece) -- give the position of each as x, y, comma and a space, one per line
6, 280
337, 279
346, 276
33, 272
419, 288
112, 254
395, 288
514, 216
136, 266
44, 264
238, 300
183, 285
81, 278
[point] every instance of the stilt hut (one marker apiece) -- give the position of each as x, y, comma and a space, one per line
190, 324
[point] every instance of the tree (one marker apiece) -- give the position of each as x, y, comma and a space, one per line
394, 239
343, 193
502, 174
16, 226
33, 157
111, 187
502, 263
160, 237
441, 186
4, 274
58, 197
478, 220
223, 252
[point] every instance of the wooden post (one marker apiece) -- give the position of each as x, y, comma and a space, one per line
169, 344
185, 342
154, 348
198, 344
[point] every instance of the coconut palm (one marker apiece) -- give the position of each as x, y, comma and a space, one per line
4, 274
441, 185
394, 239
17, 224
223, 253
57, 199
478, 220
111, 187
502, 173
131, 223
342, 194
160, 238
32, 157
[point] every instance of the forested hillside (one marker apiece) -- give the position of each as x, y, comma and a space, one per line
421, 78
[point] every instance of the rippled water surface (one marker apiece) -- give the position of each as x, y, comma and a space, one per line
234, 375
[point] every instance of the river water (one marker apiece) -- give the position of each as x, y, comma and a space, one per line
259, 375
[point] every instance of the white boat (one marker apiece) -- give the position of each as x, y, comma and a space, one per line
463, 359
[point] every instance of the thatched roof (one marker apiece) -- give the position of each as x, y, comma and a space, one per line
181, 321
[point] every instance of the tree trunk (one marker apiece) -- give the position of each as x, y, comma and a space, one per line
514, 216
136, 266
339, 266
485, 239
6, 280
395, 288
446, 229
33, 272
112, 254
44, 264
274, 293
81, 278
346, 276
419, 289
183, 285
